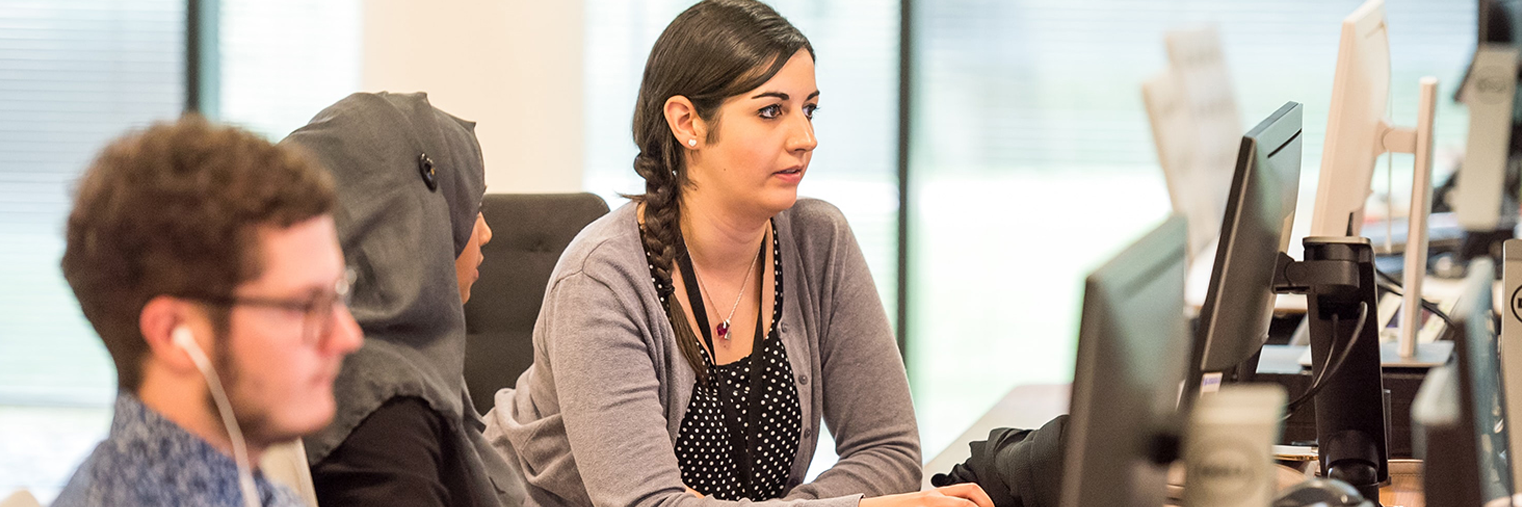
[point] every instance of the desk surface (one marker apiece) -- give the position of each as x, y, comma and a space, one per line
1028, 406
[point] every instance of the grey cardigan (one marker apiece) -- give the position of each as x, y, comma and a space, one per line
595, 420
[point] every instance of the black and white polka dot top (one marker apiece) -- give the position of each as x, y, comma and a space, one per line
706, 450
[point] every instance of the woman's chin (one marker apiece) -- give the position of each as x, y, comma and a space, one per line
779, 200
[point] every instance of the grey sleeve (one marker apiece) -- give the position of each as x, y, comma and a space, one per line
605, 376
867, 405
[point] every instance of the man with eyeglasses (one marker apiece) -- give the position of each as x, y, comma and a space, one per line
207, 261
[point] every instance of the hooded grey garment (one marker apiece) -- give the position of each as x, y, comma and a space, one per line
401, 226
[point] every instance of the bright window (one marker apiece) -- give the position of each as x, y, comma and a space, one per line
73, 75
1032, 160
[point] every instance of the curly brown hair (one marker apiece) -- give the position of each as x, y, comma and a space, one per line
174, 209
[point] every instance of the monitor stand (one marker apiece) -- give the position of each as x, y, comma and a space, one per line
1352, 411
1427, 355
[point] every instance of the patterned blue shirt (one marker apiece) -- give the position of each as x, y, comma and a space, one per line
148, 460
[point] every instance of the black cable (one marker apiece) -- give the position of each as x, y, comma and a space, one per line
1330, 370
1428, 305
1394, 286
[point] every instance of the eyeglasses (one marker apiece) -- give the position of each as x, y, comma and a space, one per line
317, 310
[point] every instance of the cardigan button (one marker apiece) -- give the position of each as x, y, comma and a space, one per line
803, 379
808, 432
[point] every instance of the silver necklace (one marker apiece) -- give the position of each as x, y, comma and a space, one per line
723, 328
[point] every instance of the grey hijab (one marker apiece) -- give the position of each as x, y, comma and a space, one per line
410, 181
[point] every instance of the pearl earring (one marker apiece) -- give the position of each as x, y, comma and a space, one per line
692, 143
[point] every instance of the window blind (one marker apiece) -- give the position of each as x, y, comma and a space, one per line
73, 75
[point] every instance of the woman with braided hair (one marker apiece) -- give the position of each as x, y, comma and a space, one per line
691, 341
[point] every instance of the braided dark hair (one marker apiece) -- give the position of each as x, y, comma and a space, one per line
714, 50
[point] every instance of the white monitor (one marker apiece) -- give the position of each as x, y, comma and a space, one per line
1488, 90
1357, 133
1196, 127
1355, 123
1510, 306
1197, 60
1177, 150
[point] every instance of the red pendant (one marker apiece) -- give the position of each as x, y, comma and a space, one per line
724, 330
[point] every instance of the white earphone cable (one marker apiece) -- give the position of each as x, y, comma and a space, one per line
183, 338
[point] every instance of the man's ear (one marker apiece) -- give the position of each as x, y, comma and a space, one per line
688, 128
158, 322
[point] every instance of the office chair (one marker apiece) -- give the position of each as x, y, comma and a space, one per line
529, 231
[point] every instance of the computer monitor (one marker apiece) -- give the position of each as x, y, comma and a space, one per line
1260, 211
1510, 307
1132, 345
1178, 153
1357, 134
1479, 191
1464, 444
1360, 94
1485, 187
1195, 126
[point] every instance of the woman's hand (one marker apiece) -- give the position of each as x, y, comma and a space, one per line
956, 495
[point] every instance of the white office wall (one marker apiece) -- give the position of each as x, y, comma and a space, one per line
512, 66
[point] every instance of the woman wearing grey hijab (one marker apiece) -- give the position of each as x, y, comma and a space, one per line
410, 181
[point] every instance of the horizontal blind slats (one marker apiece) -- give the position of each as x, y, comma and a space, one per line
73, 75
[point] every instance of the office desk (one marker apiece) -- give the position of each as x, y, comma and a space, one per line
1028, 406
1405, 488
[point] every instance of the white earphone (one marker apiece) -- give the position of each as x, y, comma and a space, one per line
185, 340
182, 338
